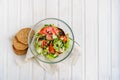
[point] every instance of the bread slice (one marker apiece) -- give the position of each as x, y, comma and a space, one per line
19, 52
18, 45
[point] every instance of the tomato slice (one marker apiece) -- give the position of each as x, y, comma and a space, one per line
44, 43
51, 48
49, 37
55, 31
49, 30
43, 31
64, 38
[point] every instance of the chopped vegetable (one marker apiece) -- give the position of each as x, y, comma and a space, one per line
51, 48
51, 41
39, 50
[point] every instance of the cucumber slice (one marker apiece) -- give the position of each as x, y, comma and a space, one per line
52, 56
55, 55
36, 44
49, 56
66, 45
54, 36
39, 50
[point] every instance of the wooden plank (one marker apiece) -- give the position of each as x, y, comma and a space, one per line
38, 10
12, 25
38, 14
5, 30
104, 40
25, 20
65, 14
3, 51
84, 39
115, 8
51, 7
78, 32
91, 44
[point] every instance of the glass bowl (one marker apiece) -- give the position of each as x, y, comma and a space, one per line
59, 23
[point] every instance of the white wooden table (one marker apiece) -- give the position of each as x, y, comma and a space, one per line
95, 24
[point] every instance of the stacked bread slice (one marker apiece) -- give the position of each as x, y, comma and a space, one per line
20, 41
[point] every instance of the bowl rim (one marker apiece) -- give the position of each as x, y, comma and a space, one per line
30, 43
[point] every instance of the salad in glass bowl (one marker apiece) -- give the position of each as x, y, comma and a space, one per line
52, 42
